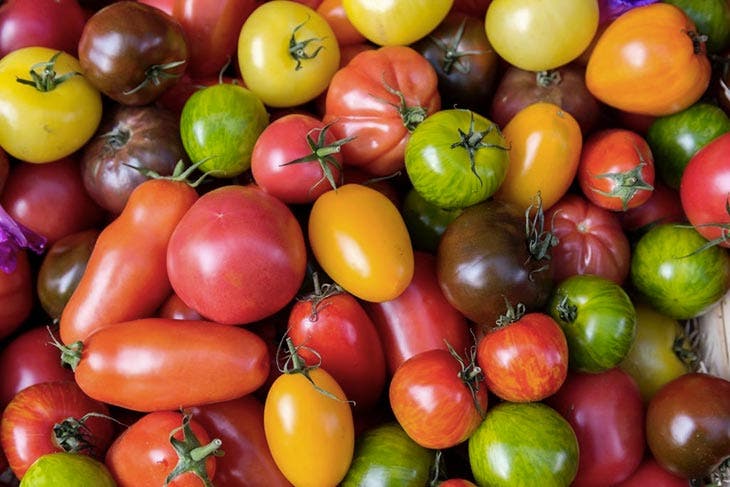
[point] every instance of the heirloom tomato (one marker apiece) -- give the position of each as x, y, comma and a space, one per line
537, 36
287, 53
650, 60
69, 470
400, 22
360, 240
379, 97
426, 222
48, 110
16, 295
545, 144
663, 206
712, 18
650, 472
456, 158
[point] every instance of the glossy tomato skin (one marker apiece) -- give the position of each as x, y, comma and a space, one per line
524, 360
16, 295
712, 18
426, 222
68, 469
334, 13
164, 353
663, 206
364, 100
650, 472
591, 240
688, 424
175, 308
132, 52
204, 261
607, 414
27, 430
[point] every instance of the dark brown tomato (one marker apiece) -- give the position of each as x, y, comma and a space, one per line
145, 137
132, 52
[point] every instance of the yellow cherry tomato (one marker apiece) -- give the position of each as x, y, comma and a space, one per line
359, 238
287, 53
545, 144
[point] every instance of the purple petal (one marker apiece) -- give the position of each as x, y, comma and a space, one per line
610, 9
14, 237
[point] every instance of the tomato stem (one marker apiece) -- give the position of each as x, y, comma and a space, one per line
470, 374
320, 294
547, 78
298, 49
451, 54
567, 311
473, 141
513, 313
412, 116
625, 185
191, 454
71, 354
73, 436
539, 241
47, 80
155, 74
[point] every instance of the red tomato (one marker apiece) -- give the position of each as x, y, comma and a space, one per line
334, 13
237, 256
331, 329
616, 169
524, 358
16, 295
144, 455
607, 414
378, 98
438, 398
4, 169
126, 276
50, 416
651, 473
663, 206
175, 308
420, 319
591, 240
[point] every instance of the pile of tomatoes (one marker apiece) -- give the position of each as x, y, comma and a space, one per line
357, 242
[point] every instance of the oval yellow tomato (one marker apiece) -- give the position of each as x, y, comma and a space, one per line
359, 238
544, 143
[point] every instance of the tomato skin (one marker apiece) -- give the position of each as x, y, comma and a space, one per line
375, 260
175, 308
650, 472
27, 427
16, 295
164, 351
130, 250
361, 102
663, 206
68, 469
296, 414
673, 71
524, 360
334, 13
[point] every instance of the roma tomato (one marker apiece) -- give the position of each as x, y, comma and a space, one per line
650, 60
68, 469
163, 354
204, 261
438, 397
524, 358
545, 144
287, 53
379, 97
47, 110
360, 240
591, 240
616, 169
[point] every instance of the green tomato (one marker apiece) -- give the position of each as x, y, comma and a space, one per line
219, 126
711, 17
67, 470
425, 221
456, 158
676, 271
598, 319
523, 444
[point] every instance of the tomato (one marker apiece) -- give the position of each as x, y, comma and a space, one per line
308, 425
676, 273
287, 53
438, 397
607, 414
175, 308
650, 472
53, 416
4, 168
125, 276
359, 239
16, 293
616, 169
419, 319
47, 111
545, 145
166, 374
379, 97
403, 22
663, 206
456, 158
591, 240
523, 444
219, 125
598, 319
296, 158
687, 424
204, 261
163, 448
661, 351
67, 469
538, 36
704, 190
650, 60
334, 13
712, 19
525, 357
426, 222
132, 52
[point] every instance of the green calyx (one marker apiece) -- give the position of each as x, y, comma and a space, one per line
47, 79
473, 140
452, 55
191, 454
156, 74
298, 49
625, 184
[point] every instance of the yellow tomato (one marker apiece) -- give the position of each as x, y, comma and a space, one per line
359, 238
310, 433
545, 144
287, 53
52, 113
